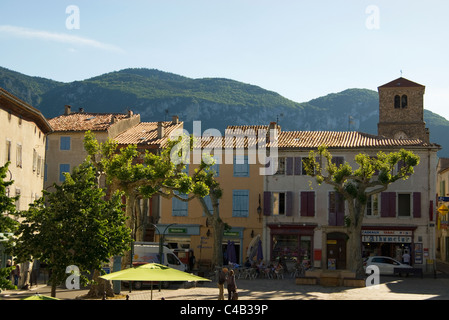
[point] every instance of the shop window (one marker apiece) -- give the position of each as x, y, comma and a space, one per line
372, 206
293, 248
240, 203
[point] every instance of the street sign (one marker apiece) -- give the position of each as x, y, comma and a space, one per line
443, 209
445, 199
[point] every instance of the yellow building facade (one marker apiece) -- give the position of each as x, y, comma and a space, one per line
186, 226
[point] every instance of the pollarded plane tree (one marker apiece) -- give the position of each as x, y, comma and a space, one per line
373, 175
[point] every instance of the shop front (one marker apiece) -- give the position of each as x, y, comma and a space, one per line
293, 243
391, 241
178, 236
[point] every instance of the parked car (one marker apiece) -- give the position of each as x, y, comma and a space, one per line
386, 264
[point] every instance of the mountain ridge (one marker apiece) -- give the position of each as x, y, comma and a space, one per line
216, 102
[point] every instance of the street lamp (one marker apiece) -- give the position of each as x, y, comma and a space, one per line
161, 240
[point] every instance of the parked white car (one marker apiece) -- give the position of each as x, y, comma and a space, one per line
386, 264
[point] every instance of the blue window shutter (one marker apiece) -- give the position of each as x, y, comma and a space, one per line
240, 203
179, 207
62, 169
241, 166
208, 204
64, 143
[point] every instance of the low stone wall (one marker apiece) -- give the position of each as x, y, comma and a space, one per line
331, 278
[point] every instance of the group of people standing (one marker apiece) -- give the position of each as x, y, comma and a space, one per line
228, 277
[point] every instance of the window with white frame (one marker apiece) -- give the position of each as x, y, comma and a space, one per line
372, 206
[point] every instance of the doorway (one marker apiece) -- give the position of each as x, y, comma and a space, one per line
336, 250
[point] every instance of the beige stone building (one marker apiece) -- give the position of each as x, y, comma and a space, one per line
22, 143
305, 221
65, 148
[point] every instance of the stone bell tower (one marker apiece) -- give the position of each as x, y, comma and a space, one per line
401, 110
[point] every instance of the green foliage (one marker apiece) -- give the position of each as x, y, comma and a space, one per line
5, 282
74, 225
7, 204
162, 173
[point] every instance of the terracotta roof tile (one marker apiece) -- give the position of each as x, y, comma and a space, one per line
401, 82
146, 133
82, 121
314, 139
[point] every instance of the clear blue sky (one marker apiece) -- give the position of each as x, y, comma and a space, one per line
300, 49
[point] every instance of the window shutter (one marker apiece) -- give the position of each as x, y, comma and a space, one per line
332, 211
388, 204
308, 203
267, 203
416, 204
311, 203
304, 204
340, 209
240, 203
289, 166
289, 199
297, 169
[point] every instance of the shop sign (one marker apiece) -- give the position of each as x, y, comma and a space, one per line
390, 239
443, 209
177, 230
386, 232
231, 234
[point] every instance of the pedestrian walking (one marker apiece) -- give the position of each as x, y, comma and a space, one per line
222, 277
406, 258
16, 274
232, 286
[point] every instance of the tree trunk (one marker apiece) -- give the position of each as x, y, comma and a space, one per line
356, 211
100, 288
217, 257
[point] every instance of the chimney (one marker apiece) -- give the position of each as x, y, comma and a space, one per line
175, 120
130, 113
81, 110
273, 126
160, 130
67, 110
